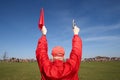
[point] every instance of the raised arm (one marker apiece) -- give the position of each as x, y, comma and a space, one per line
73, 63
76, 52
42, 50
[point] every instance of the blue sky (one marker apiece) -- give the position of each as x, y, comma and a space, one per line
98, 20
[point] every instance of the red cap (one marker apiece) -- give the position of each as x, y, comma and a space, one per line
58, 51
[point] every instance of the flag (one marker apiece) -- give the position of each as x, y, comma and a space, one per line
41, 19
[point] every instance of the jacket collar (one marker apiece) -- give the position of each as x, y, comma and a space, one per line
58, 62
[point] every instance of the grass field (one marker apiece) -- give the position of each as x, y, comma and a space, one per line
88, 71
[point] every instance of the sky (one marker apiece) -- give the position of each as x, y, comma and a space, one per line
98, 20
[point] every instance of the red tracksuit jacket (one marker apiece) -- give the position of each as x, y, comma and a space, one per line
59, 70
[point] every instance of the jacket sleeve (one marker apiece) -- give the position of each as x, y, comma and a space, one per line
73, 63
41, 52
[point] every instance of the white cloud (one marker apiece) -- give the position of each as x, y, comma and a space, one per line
97, 29
107, 38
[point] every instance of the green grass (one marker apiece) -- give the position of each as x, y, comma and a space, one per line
19, 71
100, 71
88, 71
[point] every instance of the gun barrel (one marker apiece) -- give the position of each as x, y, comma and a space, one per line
73, 24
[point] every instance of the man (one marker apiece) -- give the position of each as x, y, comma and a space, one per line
59, 69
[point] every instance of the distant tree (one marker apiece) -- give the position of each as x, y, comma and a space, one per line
5, 55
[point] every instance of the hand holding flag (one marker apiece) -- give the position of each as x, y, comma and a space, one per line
41, 24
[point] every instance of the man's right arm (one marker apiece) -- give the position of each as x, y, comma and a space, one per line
73, 63
76, 53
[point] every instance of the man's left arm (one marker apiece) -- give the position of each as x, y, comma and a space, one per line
42, 51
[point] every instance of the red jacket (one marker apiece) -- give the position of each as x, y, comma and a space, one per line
59, 70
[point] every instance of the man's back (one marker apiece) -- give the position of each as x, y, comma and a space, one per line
59, 70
